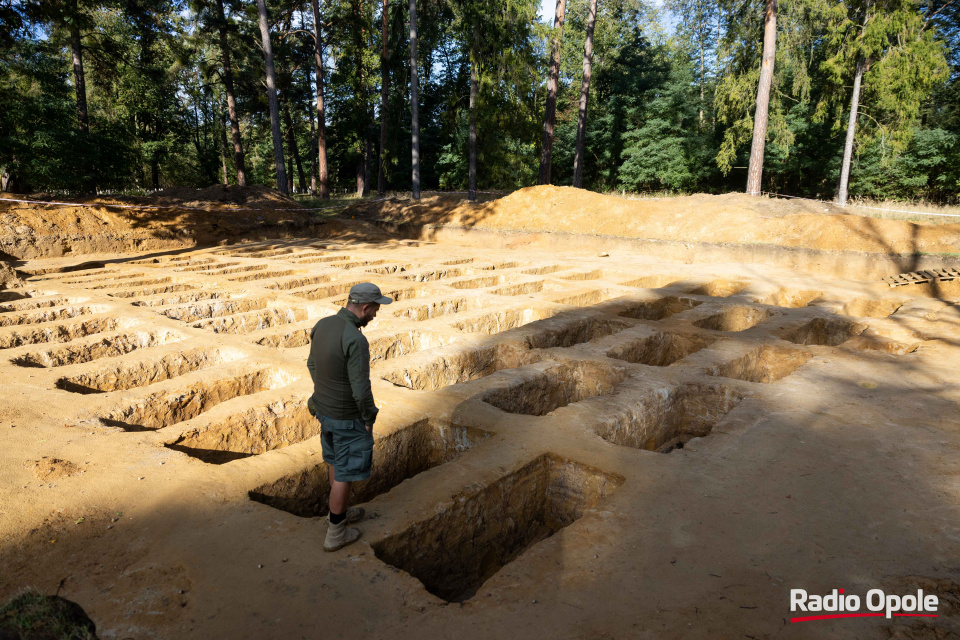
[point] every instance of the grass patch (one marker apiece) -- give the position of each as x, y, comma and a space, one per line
34, 616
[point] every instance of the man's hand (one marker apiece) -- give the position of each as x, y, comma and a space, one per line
369, 428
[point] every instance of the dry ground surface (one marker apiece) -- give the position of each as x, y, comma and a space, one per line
579, 443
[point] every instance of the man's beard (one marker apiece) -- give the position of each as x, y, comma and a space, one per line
364, 321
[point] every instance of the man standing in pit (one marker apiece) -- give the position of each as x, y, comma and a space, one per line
342, 401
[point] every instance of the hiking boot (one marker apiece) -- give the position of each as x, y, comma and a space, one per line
355, 514
339, 536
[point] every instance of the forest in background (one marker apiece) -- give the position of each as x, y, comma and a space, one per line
139, 95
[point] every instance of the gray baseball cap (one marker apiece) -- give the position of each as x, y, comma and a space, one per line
367, 292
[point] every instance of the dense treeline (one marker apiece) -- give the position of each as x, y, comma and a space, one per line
122, 95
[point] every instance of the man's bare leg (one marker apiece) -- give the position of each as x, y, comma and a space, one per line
339, 494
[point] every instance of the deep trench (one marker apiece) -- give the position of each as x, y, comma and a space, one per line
161, 410
141, 374
766, 364
660, 309
557, 386
499, 321
660, 349
454, 552
253, 321
828, 332
397, 457
107, 347
667, 418
50, 315
732, 319
202, 311
60, 333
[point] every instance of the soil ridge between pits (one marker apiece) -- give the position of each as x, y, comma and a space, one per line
715, 219
190, 217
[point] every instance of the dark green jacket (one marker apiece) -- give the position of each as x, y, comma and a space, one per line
339, 364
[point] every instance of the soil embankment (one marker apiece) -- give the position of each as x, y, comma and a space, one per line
735, 219
172, 218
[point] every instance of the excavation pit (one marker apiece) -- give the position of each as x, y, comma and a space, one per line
390, 269
152, 291
595, 274
660, 349
660, 309
315, 258
790, 298
522, 289
293, 339
108, 347
142, 374
404, 343
399, 456
542, 271
589, 298
232, 270
665, 419
249, 433
436, 274
732, 319
184, 299
567, 333
827, 332
127, 285
468, 541
548, 390
164, 409
60, 333
254, 320
263, 275
720, 288
765, 364
326, 292
458, 366
480, 283
296, 283
443, 307
195, 312
498, 321
870, 308
657, 281
29, 304
51, 315
208, 266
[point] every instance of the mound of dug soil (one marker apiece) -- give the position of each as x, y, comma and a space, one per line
188, 217
725, 219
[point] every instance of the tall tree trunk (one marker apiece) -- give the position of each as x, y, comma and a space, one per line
294, 149
78, 77
755, 171
384, 88
363, 181
414, 103
584, 94
851, 132
238, 159
272, 96
474, 82
223, 152
321, 114
550, 114
702, 82
311, 114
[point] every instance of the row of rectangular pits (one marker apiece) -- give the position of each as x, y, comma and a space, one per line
103, 347
212, 309
147, 372
838, 331
210, 265
183, 298
857, 307
166, 408
455, 365
26, 303
122, 284
67, 332
243, 323
49, 314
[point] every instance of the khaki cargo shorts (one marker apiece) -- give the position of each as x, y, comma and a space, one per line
347, 447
